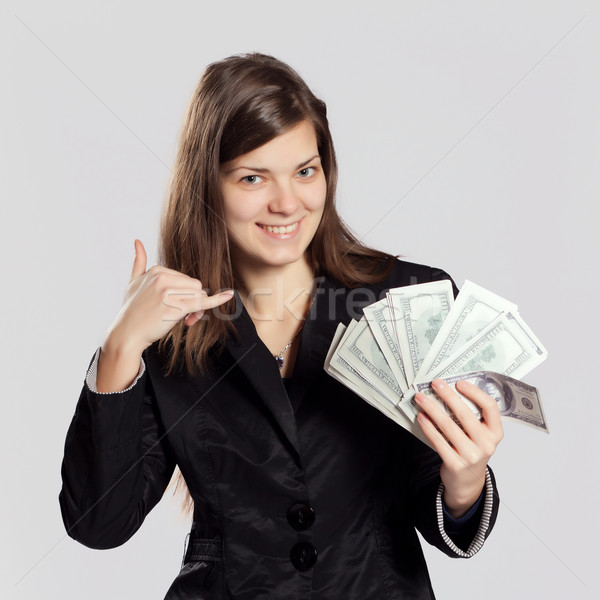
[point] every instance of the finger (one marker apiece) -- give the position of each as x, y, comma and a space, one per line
191, 301
485, 435
466, 417
168, 281
139, 263
194, 317
442, 420
488, 406
438, 441
207, 302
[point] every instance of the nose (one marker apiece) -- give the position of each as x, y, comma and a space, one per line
284, 200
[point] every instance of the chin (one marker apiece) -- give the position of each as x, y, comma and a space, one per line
278, 259
282, 261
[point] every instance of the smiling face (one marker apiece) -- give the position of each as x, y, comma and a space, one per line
273, 199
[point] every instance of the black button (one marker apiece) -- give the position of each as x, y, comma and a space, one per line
300, 516
303, 556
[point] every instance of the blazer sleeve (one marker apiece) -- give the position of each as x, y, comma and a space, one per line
116, 463
426, 490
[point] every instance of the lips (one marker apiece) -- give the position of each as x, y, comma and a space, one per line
280, 229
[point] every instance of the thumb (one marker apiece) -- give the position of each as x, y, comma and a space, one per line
139, 264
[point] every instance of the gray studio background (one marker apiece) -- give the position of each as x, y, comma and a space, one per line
468, 138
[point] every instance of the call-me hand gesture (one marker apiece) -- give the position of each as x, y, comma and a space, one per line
155, 300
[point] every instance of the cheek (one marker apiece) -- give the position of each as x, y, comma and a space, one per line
240, 210
316, 200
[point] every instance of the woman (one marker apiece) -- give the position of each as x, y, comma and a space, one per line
215, 364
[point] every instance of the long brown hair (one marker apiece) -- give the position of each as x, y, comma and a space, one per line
241, 103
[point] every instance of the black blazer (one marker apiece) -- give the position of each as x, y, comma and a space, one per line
314, 494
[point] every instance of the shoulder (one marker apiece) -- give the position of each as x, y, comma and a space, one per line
408, 273
341, 303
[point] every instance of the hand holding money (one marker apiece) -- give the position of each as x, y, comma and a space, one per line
418, 334
465, 443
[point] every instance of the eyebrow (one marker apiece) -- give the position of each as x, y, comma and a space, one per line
261, 170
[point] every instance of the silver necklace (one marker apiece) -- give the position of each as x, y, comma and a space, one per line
279, 357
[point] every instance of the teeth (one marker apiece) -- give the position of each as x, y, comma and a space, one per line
280, 230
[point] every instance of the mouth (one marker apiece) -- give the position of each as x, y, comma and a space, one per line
280, 229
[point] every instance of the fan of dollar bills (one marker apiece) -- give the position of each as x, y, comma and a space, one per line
419, 333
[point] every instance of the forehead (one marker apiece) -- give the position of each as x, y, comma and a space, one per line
293, 146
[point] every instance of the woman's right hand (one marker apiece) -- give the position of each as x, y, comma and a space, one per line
155, 300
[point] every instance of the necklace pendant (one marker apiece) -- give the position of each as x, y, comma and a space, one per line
279, 360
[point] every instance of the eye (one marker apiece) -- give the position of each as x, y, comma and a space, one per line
306, 172
252, 179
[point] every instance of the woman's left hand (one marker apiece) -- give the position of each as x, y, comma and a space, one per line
464, 452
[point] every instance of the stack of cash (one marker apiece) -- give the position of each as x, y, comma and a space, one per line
420, 332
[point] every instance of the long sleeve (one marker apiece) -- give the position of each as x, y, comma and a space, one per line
116, 463
466, 537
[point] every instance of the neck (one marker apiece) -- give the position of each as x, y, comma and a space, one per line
277, 293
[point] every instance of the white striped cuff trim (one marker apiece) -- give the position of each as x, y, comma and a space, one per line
92, 373
479, 538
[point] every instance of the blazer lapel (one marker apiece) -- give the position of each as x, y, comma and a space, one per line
318, 331
260, 368
333, 304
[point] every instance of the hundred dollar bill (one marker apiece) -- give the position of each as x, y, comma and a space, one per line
506, 346
516, 400
339, 369
418, 312
473, 310
360, 350
379, 317
337, 336
336, 366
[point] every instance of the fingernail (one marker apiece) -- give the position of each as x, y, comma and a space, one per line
227, 294
419, 398
437, 384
